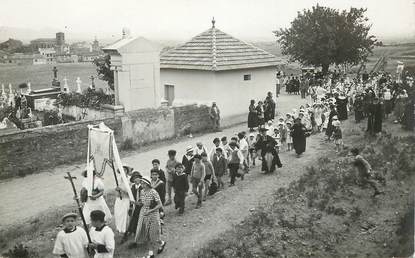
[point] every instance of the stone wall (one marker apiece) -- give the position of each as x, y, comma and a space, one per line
148, 125
191, 118
87, 114
30, 151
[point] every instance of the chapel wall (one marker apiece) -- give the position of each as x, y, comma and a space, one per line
34, 150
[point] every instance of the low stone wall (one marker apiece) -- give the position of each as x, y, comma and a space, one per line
86, 114
29, 151
191, 119
148, 125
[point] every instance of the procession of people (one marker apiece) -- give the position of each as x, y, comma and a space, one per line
202, 171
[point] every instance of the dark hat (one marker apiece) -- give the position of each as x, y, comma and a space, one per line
263, 129
232, 144
216, 140
197, 156
155, 161
128, 168
69, 215
97, 215
219, 149
135, 175
224, 138
171, 152
153, 170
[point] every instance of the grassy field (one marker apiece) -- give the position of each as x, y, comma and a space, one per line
41, 76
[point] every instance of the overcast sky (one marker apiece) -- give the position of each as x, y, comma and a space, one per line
183, 19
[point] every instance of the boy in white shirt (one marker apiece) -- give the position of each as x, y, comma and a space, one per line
102, 236
72, 241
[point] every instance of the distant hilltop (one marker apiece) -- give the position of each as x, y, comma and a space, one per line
26, 35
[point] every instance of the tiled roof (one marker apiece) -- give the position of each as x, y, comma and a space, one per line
215, 50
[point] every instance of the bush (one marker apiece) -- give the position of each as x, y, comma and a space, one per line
88, 99
52, 117
21, 251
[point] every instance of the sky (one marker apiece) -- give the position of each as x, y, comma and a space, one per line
183, 19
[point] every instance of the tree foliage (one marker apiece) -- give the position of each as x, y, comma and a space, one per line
104, 70
324, 36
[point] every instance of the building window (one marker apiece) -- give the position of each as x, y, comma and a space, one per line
247, 77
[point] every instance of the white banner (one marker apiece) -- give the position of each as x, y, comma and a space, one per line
101, 144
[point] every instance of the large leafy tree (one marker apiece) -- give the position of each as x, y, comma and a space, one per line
324, 36
104, 70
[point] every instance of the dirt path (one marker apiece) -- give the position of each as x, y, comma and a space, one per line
48, 190
186, 234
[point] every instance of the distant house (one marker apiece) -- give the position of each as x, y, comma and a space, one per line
89, 57
49, 54
214, 66
66, 58
26, 59
43, 43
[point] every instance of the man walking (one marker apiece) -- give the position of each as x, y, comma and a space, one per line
214, 113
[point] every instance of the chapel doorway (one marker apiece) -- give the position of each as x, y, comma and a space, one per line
169, 93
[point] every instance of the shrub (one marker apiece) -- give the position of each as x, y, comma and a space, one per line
21, 251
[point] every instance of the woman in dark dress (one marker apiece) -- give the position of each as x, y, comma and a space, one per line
298, 133
136, 208
341, 103
377, 116
330, 127
260, 113
252, 116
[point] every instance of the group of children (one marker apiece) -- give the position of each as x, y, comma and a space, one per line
201, 170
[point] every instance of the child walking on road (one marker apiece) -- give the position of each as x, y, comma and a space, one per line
197, 176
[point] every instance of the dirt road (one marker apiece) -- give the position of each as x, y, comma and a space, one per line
186, 234
37, 193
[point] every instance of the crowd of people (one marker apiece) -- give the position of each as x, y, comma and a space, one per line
202, 171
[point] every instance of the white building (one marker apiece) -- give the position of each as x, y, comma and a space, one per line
214, 66
49, 54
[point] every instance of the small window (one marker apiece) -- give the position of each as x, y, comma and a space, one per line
247, 77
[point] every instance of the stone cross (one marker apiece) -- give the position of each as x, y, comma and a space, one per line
65, 85
55, 73
92, 82
78, 84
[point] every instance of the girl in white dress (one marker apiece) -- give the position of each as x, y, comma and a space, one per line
95, 200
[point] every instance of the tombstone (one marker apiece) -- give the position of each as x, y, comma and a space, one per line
92, 86
136, 66
29, 88
65, 85
78, 85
